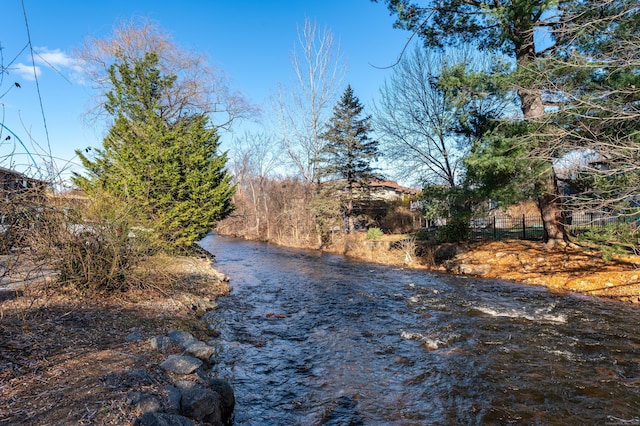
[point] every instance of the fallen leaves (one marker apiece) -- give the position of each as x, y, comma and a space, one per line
568, 268
65, 360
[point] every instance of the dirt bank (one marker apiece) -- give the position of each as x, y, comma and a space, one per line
569, 269
71, 360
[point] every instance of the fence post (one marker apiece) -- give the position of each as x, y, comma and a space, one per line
524, 228
495, 232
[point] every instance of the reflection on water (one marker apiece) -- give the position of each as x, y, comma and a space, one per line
316, 339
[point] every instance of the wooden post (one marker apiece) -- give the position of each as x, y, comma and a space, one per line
495, 232
524, 228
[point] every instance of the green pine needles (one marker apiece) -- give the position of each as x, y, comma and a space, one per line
160, 158
348, 151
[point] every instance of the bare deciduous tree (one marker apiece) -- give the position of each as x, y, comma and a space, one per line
507, 27
303, 108
255, 158
283, 208
597, 84
199, 85
419, 124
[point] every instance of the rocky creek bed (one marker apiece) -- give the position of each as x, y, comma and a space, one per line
139, 358
193, 394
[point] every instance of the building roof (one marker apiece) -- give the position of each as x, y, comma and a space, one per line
16, 175
12, 172
385, 183
382, 183
6, 171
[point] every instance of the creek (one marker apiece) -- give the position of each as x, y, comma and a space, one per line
309, 338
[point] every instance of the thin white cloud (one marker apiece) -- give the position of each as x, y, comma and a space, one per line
59, 60
26, 72
54, 59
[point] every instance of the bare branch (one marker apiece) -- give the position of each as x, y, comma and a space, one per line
303, 107
199, 86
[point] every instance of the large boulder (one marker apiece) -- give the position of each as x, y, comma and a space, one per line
473, 269
161, 344
181, 338
172, 399
444, 252
202, 404
144, 403
179, 364
199, 350
161, 419
227, 398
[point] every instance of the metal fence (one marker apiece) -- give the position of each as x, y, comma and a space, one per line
529, 227
526, 227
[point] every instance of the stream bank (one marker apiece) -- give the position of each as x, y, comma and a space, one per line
565, 269
65, 359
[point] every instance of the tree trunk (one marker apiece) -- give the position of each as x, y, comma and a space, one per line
546, 185
551, 210
349, 216
532, 106
267, 219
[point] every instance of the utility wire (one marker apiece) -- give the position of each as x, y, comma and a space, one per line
35, 75
21, 143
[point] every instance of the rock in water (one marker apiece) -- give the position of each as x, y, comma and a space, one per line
202, 404
227, 398
160, 419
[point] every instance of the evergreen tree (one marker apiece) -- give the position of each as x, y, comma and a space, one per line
589, 80
166, 165
575, 72
348, 151
598, 77
507, 27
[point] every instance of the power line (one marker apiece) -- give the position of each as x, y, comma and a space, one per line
35, 75
23, 145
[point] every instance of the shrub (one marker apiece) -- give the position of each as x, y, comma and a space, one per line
457, 229
610, 239
409, 249
399, 219
374, 234
96, 261
424, 234
98, 253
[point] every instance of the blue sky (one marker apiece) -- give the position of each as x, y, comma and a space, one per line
251, 40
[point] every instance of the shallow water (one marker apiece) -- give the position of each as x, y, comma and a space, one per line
318, 339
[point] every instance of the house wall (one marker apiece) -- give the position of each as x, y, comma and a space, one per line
14, 183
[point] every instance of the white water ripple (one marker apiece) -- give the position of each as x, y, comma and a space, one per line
538, 316
429, 341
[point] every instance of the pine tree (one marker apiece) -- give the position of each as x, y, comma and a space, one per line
598, 75
575, 73
348, 151
166, 165
506, 27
